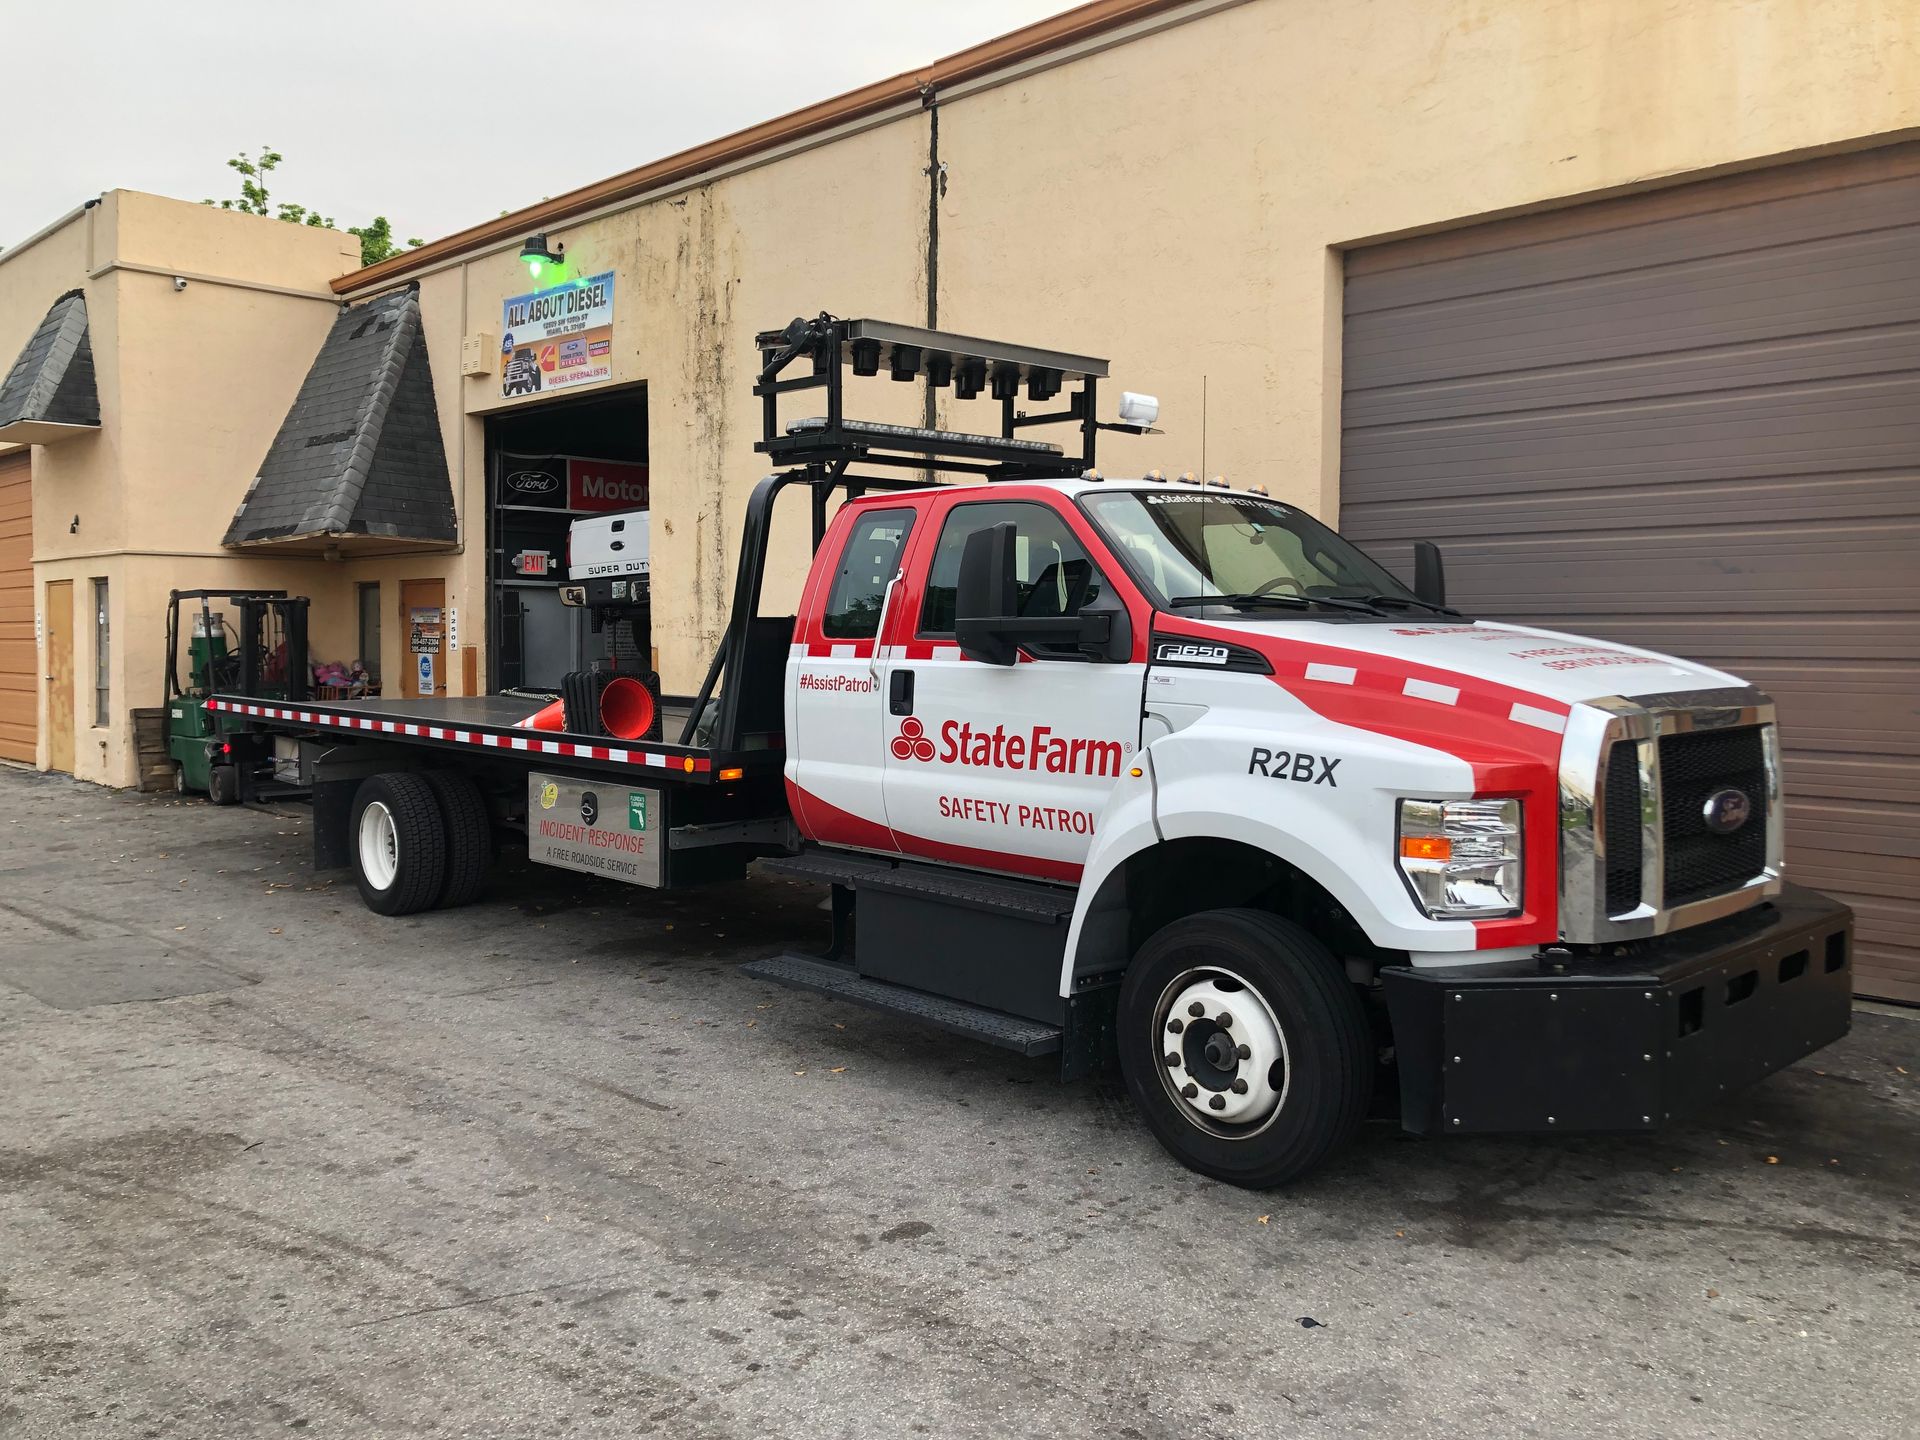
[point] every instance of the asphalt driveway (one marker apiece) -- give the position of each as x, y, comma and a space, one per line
551, 1166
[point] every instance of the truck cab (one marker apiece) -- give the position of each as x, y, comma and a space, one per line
1320, 842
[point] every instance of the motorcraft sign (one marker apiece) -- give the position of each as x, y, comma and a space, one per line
557, 338
579, 483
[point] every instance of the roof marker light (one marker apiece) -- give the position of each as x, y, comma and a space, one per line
1187, 477
970, 376
1157, 476
1257, 489
1091, 475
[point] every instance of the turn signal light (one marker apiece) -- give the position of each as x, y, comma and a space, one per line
732, 772
1426, 847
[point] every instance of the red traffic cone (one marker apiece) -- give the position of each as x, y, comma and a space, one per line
549, 717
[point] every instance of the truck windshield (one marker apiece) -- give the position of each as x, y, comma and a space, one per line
1191, 548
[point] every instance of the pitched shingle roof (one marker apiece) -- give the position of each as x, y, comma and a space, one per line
359, 454
52, 381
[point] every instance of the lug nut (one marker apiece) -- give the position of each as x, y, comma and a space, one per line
1245, 1052
1225, 1022
1176, 1026
1196, 1009
1190, 1090
1239, 1087
1218, 1102
1173, 1061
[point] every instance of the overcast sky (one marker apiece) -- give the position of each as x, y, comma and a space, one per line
435, 113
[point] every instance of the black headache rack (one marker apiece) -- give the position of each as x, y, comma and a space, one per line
829, 450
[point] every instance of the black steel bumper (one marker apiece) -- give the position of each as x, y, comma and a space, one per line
1556, 1044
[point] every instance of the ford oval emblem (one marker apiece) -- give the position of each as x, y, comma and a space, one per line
1726, 810
532, 482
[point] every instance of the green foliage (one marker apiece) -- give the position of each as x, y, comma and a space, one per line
375, 237
376, 240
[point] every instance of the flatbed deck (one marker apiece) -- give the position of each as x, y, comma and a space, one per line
488, 723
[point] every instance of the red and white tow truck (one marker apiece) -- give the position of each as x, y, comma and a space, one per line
1163, 770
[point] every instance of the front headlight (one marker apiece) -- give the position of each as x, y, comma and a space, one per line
1461, 858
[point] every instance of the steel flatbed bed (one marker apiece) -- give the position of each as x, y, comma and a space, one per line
485, 724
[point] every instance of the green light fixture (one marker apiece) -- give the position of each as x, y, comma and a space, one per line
538, 254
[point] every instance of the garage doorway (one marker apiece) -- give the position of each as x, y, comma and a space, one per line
547, 464
1690, 420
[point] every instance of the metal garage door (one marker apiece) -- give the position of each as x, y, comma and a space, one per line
18, 690
1688, 419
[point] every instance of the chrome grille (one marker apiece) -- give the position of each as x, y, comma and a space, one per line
1637, 855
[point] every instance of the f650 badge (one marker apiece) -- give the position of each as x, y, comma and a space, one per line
1189, 652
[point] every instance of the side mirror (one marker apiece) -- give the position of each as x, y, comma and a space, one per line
984, 595
989, 627
1429, 574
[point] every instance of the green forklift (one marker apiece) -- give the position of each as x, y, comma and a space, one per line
261, 653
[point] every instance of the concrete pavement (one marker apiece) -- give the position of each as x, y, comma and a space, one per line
551, 1166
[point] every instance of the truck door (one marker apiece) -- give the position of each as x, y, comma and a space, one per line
836, 730
1005, 767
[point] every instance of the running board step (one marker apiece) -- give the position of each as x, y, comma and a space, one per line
1009, 1032
995, 894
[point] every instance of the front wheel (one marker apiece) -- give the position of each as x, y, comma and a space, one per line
1244, 1046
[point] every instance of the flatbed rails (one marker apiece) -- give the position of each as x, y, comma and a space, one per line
489, 723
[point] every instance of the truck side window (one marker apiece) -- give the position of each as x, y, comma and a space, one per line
1055, 577
871, 559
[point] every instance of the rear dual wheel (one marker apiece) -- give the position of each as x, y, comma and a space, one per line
1245, 1046
419, 840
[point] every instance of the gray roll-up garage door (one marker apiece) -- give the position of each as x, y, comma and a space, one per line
1687, 419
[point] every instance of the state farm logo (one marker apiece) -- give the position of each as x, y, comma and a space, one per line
1037, 748
912, 743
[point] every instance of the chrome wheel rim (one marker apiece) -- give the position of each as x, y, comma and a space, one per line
1222, 1053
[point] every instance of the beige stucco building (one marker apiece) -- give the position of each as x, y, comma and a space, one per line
200, 324
1501, 272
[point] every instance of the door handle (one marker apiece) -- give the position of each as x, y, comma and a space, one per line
900, 693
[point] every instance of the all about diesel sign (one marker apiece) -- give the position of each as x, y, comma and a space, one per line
557, 338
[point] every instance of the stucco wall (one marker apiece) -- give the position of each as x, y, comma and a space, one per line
1178, 203
193, 384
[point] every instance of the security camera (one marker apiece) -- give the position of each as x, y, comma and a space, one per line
179, 282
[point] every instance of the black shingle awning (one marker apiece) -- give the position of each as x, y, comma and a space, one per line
359, 457
49, 394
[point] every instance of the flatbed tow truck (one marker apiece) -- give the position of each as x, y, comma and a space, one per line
1161, 772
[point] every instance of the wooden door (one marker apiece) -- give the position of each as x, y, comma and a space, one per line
423, 620
19, 665
60, 675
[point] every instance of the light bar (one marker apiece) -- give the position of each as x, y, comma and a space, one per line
923, 438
